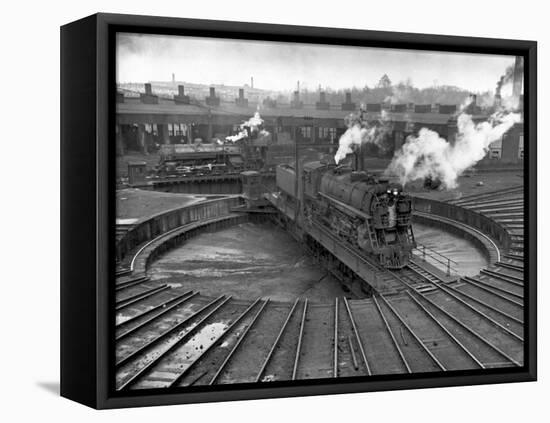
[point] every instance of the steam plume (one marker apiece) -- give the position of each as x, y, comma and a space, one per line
249, 127
361, 131
430, 155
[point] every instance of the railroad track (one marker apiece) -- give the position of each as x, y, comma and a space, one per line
184, 339
169, 337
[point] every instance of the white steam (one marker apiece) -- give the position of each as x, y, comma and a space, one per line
429, 155
252, 125
361, 131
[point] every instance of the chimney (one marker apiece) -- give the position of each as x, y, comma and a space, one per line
296, 103
358, 160
498, 100
518, 77
322, 104
181, 98
148, 97
241, 101
348, 105
212, 100
251, 82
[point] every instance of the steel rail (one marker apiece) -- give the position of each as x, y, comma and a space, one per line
469, 329
414, 335
136, 281
335, 354
126, 302
514, 280
483, 303
123, 272
352, 350
449, 334
182, 374
299, 346
486, 195
492, 288
177, 302
357, 336
513, 257
476, 310
276, 342
463, 325
509, 266
189, 334
174, 328
236, 346
396, 345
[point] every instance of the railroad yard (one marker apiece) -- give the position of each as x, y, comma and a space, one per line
171, 332
307, 232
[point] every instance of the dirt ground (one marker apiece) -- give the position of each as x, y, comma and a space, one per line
132, 203
247, 261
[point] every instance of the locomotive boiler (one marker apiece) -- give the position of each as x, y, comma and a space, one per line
366, 212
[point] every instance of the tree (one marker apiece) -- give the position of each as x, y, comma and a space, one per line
384, 82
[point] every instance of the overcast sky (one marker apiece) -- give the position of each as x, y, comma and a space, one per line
278, 66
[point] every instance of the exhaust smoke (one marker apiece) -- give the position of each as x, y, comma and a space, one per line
361, 131
427, 155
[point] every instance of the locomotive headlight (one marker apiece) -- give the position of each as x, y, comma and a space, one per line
394, 192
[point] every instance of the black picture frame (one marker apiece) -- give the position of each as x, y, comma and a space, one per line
87, 205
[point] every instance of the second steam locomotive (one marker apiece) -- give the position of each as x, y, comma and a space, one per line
368, 213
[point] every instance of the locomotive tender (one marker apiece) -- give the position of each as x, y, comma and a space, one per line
366, 212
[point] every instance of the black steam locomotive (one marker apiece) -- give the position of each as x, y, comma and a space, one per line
366, 212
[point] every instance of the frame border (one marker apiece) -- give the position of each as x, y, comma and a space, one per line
87, 72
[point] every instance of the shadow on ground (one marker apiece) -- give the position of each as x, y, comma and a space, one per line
51, 387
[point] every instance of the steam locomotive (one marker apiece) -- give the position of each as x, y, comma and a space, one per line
255, 151
368, 213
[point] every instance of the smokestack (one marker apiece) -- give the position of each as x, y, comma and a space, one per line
296, 96
358, 162
348, 97
148, 97
173, 78
498, 100
181, 98
212, 100
518, 77
241, 93
251, 82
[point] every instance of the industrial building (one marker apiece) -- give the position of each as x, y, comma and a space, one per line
150, 119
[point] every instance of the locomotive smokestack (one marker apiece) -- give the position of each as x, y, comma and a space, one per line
358, 159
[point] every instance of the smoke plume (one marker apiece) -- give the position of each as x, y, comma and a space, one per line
361, 131
429, 155
249, 127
